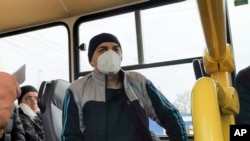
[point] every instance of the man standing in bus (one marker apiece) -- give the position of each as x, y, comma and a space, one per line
111, 104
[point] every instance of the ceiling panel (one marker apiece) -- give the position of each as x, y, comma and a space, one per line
16, 14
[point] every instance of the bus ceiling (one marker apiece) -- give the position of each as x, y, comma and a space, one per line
18, 14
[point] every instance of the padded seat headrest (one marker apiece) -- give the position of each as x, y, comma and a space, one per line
52, 92
60, 87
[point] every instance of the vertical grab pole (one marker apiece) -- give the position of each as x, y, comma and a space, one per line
205, 111
219, 63
212, 14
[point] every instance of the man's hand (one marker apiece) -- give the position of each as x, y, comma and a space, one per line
9, 92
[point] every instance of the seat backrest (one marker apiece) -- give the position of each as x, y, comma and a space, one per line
199, 70
50, 101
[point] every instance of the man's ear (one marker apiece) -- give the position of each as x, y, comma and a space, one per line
91, 63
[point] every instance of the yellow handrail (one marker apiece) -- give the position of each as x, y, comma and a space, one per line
213, 22
214, 100
205, 111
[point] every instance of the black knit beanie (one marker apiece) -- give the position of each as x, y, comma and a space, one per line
24, 90
98, 39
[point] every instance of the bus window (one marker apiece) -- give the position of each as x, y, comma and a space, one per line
172, 32
123, 26
176, 83
168, 33
240, 32
44, 53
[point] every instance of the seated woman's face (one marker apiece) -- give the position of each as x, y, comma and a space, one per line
30, 99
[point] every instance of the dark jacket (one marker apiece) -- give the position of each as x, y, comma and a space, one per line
14, 130
33, 129
242, 85
85, 104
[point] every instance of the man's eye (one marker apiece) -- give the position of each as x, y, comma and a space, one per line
116, 50
102, 50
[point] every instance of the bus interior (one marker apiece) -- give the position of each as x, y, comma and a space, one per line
190, 50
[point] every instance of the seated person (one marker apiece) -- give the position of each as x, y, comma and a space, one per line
9, 92
14, 130
242, 85
29, 114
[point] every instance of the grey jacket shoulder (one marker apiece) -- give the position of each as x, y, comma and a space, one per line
132, 75
79, 83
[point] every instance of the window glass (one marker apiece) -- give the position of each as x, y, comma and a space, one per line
43, 52
172, 32
176, 83
122, 26
240, 32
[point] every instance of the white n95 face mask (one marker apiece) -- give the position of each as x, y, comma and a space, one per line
109, 62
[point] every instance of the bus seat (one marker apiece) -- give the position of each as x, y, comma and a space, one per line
50, 101
199, 70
